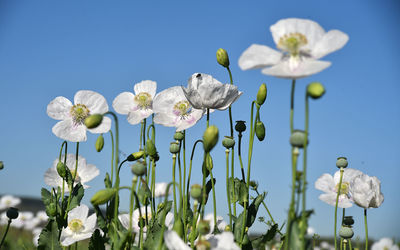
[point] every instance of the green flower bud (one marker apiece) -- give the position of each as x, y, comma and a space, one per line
261, 94
99, 143
12, 213
179, 136
297, 138
210, 138
51, 210
223, 58
203, 227
228, 142
315, 90
178, 227
150, 148
240, 126
93, 121
341, 162
1, 165
61, 169
135, 156
260, 130
253, 184
174, 148
107, 181
196, 192
346, 232
209, 162
228, 228
103, 196
139, 168
348, 221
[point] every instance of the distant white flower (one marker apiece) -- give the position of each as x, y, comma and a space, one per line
221, 224
85, 173
72, 116
42, 216
310, 231
137, 106
174, 110
36, 233
24, 220
326, 246
301, 43
9, 201
3, 218
384, 244
366, 191
80, 226
330, 185
204, 92
161, 189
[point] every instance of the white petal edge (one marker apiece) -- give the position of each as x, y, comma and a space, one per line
174, 242
95, 102
147, 86
305, 68
124, 103
66, 130
137, 116
330, 42
258, 56
59, 108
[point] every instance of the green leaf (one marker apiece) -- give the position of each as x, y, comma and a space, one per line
144, 194
209, 187
241, 188
46, 196
96, 241
77, 195
101, 222
253, 209
260, 242
48, 239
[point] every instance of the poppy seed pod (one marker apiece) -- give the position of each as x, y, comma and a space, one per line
346, 232
103, 196
228, 142
196, 191
222, 57
62, 172
348, 221
210, 138
179, 136
297, 138
341, 162
203, 227
260, 130
240, 126
12, 213
93, 121
261, 94
315, 90
99, 143
139, 168
174, 148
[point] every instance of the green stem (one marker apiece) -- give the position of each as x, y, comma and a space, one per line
190, 166
216, 231
228, 195
350, 247
112, 156
195, 216
366, 228
134, 182
173, 180
163, 217
5, 234
208, 117
336, 204
185, 194
233, 176
153, 186
240, 157
292, 105
71, 188
65, 164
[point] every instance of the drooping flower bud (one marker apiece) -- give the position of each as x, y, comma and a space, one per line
61, 169
261, 94
210, 138
150, 148
240, 126
315, 90
174, 148
103, 196
179, 136
297, 138
341, 162
203, 227
1, 165
260, 130
228, 142
346, 232
12, 213
222, 57
99, 143
135, 156
139, 168
196, 192
93, 121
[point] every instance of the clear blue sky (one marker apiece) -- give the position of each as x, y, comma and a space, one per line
55, 48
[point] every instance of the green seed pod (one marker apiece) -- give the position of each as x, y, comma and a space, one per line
103, 196
210, 138
1, 165
348, 221
223, 58
150, 148
315, 90
203, 227
93, 121
240, 126
346, 232
61, 169
179, 136
135, 156
99, 143
261, 94
139, 168
12, 213
174, 148
196, 192
178, 227
228, 142
297, 138
51, 210
341, 162
260, 130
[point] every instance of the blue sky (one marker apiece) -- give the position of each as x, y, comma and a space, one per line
55, 48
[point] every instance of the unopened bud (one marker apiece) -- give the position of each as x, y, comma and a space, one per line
51, 210
174, 148
61, 169
1, 165
179, 136
196, 191
139, 168
261, 94
228, 142
135, 156
150, 148
178, 227
223, 58
210, 138
99, 143
253, 184
12, 213
260, 130
341, 162
240, 126
203, 227
297, 138
93, 121
315, 90
103, 196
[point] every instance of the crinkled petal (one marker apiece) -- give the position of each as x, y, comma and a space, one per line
193, 97
137, 116
348, 175
88, 173
304, 68
146, 86
95, 102
59, 108
190, 120
174, 242
104, 126
67, 130
165, 101
52, 178
124, 103
258, 56
330, 198
330, 42
325, 183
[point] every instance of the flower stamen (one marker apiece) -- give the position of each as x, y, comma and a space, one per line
292, 42
79, 112
182, 109
344, 189
143, 99
76, 225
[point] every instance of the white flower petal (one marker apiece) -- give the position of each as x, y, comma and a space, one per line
193, 98
330, 198
124, 219
259, 56
137, 116
79, 212
59, 108
330, 42
66, 239
165, 100
348, 175
67, 130
124, 103
88, 173
90, 224
174, 242
104, 127
52, 178
191, 120
95, 102
165, 119
325, 183
146, 86
305, 68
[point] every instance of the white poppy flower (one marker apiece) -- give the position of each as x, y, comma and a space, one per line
174, 110
137, 106
86, 172
301, 43
36, 233
366, 191
80, 226
24, 220
42, 216
72, 116
161, 189
204, 92
384, 244
221, 224
330, 184
9, 201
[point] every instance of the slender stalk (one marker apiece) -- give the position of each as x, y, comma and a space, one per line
233, 176
153, 186
350, 247
366, 229
163, 218
134, 182
5, 234
337, 201
195, 215
240, 157
112, 156
185, 194
216, 231
208, 117
71, 188
173, 180
292, 105
190, 165
65, 163
228, 195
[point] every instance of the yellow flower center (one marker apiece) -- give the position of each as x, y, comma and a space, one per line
292, 43
79, 112
75, 225
143, 99
344, 189
182, 109
8, 202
